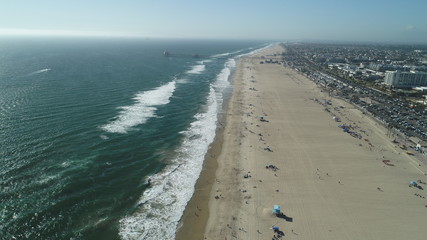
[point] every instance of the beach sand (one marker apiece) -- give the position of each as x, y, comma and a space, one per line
329, 184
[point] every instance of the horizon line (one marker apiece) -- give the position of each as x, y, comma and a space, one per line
62, 33
23, 32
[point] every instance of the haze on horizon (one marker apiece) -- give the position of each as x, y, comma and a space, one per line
327, 20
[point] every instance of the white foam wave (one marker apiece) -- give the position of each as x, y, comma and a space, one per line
197, 69
182, 81
104, 137
221, 55
222, 80
227, 54
205, 61
143, 109
39, 71
162, 205
255, 51
45, 179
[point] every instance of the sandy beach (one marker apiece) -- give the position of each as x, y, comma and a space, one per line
330, 184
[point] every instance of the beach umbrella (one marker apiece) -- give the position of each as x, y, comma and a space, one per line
276, 209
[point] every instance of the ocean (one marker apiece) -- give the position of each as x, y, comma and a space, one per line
105, 138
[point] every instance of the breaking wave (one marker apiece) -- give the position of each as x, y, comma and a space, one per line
197, 69
143, 109
39, 71
162, 205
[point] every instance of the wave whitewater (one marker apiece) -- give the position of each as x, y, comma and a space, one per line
164, 203
39, 71
197, 69
143, 109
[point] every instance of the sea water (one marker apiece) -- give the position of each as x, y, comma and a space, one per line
85, 123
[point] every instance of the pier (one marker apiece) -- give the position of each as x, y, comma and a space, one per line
168, 54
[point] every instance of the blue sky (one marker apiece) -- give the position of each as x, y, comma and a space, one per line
340, 20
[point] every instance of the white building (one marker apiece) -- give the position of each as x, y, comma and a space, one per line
406, 79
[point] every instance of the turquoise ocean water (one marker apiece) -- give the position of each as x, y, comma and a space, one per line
84, 123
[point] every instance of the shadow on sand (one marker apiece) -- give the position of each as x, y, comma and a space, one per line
283, 216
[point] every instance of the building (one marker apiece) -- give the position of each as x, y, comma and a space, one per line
406, 79
379, 67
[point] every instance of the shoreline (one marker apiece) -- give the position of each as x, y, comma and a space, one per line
194, 219
196, 213
330, 184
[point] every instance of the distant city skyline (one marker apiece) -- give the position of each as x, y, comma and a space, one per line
328, 20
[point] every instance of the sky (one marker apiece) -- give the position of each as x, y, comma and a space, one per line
324, 20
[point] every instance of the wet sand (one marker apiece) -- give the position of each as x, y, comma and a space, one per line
330, 184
